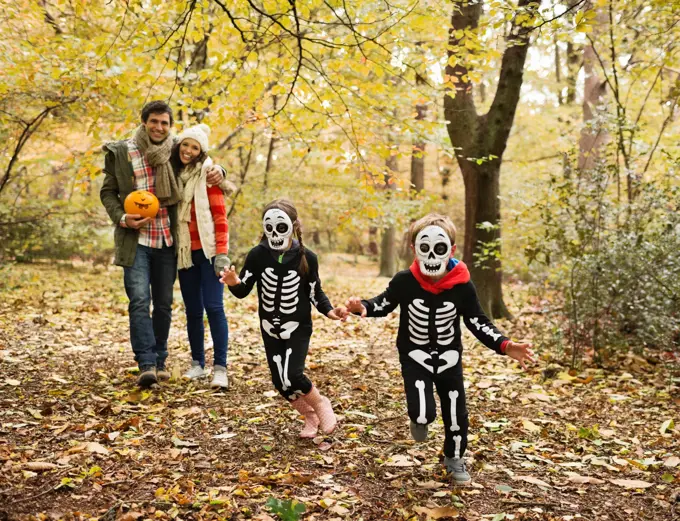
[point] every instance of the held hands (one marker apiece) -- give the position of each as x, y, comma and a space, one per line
339, 313
135, 221
229, 277
354, 305
520, 352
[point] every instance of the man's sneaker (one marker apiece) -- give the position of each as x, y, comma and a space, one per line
162, 373
220, 377
147, 376
419, 432
195, 372
456, 466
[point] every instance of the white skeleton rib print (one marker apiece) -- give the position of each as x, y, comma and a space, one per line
418, 317
418, 326
290, 284
418, 323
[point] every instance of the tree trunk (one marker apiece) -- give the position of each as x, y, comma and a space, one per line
270, 150
558, 72
573, 66
480, 141
445, 174
471, 198
486, 269
417, 177
373, 240
388, 253
388, 249
593, 137
418, 152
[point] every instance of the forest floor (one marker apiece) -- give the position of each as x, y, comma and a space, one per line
79, 441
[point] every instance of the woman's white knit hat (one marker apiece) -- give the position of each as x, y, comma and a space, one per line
198, 132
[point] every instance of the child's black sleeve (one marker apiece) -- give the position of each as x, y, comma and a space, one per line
316, 293
249, 275
476, 321
385, 303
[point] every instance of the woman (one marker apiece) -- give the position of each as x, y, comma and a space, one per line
203, 245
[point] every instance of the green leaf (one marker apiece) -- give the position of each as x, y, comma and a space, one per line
288, 510
499, 517
667, 477
65, 482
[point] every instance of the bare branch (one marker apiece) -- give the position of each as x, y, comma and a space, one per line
29, 129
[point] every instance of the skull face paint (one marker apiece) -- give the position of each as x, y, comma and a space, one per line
278, 228
433, 250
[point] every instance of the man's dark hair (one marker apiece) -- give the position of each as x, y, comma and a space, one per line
156, 107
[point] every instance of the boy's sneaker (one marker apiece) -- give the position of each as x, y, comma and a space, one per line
419, 432
147, 376
220, 377
195, 372
162, 373
456, 466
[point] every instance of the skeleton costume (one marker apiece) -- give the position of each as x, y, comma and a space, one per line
285, 303
429, 336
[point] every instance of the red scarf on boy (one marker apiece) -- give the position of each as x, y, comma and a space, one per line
458, 275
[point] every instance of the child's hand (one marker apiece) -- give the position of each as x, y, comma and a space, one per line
520, 352
354, 305
229, 277
339, 313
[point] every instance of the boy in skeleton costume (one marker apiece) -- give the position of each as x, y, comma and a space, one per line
434, 293
287, 277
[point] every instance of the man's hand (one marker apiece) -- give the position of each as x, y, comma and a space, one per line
214, 175
339, 313
135, 221
354, 305
229, 277
520, 352
221, 263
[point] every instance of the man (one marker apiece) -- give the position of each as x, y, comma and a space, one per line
145, 247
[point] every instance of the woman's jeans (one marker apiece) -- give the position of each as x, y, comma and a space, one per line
150, 279
202, 290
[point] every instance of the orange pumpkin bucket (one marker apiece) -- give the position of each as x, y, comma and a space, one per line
141, 202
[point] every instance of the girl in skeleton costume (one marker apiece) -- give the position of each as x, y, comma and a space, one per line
434, 293
287, 277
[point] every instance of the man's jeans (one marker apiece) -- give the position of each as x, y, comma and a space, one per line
202, 290
150, 279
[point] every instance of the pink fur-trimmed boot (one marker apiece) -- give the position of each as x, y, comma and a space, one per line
311, 419
323, 409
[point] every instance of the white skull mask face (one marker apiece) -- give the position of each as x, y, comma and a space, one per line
278, 228
433, 250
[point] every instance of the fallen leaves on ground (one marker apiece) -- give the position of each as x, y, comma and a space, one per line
76, 435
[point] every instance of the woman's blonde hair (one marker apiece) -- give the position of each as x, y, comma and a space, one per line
433, 219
